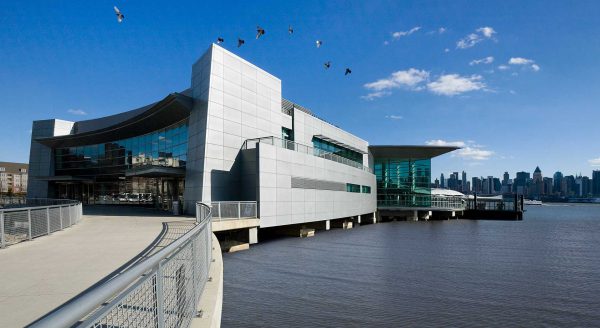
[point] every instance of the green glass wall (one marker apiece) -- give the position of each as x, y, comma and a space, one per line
403, 182
338, 150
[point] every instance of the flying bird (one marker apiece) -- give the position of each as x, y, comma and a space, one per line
319, 43
348, 71
120, 16
259, 32
327, 65
240, 42
220, 40
290, 30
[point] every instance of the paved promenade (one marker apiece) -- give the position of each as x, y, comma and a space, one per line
38, 276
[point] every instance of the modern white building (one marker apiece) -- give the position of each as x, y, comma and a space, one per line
229, 137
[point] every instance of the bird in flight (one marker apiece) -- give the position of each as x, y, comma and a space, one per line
220, 40
327, 65
290, 30
240, 42
259, 32
120, 16
348, 71
319, 43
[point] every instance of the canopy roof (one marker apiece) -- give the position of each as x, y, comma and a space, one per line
409, 152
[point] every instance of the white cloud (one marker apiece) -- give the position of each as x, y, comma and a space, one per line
454, 84
394, 117
535, 67
76, 112
442, 30
486, 60
519, 61
446, 50
594, 162
468, 150
399, 34
408, 78
503, 67
375, 95
472, 39
444, 143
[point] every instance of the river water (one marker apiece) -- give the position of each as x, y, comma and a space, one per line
542, 271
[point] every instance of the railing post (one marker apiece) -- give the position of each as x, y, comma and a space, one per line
61, 216
239, 206
48, 219
29, 227
160, 300
220, 214
2, 241
69, 211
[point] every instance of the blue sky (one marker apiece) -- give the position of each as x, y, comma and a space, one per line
514, 82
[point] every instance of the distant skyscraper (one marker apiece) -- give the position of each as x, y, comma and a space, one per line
558, 177
476, 185
520, 183
537, 187
464, 182
596, 182
505, 179
442, 181
548, 187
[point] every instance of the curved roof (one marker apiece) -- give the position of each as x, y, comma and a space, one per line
170, 110
445, 192
409, 152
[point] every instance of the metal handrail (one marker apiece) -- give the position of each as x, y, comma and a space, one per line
19, 224
89, 305
301, 148
427, 201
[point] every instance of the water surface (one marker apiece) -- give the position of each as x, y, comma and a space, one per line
543, 271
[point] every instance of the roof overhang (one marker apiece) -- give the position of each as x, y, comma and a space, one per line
64, 178
409, 152
170, 110
338, 143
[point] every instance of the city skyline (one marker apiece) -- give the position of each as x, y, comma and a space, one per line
488, 77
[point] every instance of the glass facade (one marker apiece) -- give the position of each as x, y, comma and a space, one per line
338, 150
403, 182
105, 165
350, 187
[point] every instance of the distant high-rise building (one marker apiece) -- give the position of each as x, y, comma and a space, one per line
520, 183
558, 177
465, 188
537, 187
568, 186
476, 186
497, 186
442, 181
505, 179
582, 186
436, 183
548, 187
596, 182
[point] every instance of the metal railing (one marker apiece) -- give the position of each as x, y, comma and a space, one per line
291, 145
233, 210
161, 291
37, 217
429, 201
493, 204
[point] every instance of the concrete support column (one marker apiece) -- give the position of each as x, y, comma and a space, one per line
327, 225
359, 217
253, 235
374, 217
415, 216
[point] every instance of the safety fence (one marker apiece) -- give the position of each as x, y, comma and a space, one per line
233, 210
428, 201
162, 291
37, 217
483, 204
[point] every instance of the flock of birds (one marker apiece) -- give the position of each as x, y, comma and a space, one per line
259, 32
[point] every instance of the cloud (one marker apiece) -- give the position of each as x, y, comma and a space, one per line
468, 150
486, 60
375, 95
394, 117
398, 35
472, 39
524, 62
454, 84
442, 30
446, 50
594, 161
77, 112
408, 78
519, 61
503, 67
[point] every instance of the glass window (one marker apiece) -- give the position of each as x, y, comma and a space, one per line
352, 187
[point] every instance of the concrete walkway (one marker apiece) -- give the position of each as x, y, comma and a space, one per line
39, 275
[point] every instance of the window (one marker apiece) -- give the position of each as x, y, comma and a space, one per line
2, 169
352, 187
366, 189
329, 147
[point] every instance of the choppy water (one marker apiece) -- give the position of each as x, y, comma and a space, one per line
543, 271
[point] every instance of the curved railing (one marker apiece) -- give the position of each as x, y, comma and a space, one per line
161, 291
434, 202
36, 217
